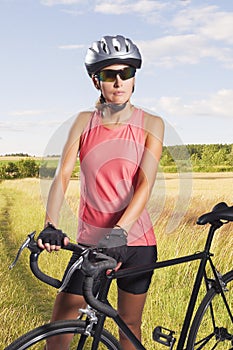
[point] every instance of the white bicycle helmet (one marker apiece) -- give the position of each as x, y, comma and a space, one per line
110, 50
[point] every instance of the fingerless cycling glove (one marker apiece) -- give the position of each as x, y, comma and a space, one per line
52, 236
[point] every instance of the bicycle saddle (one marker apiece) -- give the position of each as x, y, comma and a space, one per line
220, 211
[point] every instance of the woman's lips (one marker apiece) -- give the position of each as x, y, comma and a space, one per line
119, 93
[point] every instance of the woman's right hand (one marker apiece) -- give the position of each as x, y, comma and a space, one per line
52, 239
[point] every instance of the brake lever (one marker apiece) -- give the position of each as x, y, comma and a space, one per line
28, 243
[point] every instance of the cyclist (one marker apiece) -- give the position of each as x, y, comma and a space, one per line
119, 147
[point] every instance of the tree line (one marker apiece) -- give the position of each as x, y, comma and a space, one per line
19, 169
198, 158
179, 158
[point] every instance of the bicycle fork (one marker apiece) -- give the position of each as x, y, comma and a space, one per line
92, 320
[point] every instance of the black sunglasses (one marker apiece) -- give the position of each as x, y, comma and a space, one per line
109, 75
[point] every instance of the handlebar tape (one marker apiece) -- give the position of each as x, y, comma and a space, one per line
40, 275
102, 263
92, 270
95, 303
35, 252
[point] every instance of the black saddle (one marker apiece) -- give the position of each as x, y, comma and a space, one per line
221, 211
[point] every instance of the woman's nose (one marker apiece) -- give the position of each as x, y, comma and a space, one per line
118, 81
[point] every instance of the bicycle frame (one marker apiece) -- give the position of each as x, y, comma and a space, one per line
99, 306
203, 256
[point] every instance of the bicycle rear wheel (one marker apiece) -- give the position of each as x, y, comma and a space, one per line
36, 339
206, 334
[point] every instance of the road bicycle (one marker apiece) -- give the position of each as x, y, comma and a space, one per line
210, 328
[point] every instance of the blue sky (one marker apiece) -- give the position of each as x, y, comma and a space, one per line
186, 77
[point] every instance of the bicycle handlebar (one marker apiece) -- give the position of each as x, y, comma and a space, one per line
34, 256
90, 269
103, 262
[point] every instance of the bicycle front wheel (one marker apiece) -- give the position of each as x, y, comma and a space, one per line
36, 339
212, 326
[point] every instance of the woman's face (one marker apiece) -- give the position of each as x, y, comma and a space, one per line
118, 91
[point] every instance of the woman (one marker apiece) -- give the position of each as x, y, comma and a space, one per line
119, 147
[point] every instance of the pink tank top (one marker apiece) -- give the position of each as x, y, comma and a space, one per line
109, 164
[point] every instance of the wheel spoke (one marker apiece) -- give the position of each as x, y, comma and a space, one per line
210, 334
203, 342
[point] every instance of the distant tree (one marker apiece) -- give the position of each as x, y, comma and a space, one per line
204, 157
229, 160
28, 168
21, 169
214, 154
17, 155
195, 150
166, 158
11, 170
195, 159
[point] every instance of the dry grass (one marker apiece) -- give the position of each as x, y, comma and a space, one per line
176, 203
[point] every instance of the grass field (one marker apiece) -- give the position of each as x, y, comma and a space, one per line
176, 203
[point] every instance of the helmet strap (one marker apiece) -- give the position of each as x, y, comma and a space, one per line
116, 107
112, 106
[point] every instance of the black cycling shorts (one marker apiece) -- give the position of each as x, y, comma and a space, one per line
138, 284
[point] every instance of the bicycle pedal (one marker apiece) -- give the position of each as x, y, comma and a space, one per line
164, 336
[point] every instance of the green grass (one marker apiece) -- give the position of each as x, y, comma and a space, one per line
26, 303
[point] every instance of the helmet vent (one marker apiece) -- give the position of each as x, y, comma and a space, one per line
127, 45
105, 47
116, 45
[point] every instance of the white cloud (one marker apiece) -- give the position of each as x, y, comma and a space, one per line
219, 27
9, 127
22, 125
27, 112
206, 21
123, 6
60, 2
73, 12
32, 119
219, 105
191, 18
170, 104
173, 50
71, 47
197, 32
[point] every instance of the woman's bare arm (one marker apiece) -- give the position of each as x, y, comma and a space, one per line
63, 173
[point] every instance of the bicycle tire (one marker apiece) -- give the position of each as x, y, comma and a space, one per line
203, 334
36, 338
